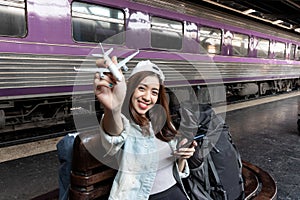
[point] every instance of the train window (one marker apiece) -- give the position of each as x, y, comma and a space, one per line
210, 39
240, 44
166, 34
263, 47
13, 18
292, 52
95, 23
279, 50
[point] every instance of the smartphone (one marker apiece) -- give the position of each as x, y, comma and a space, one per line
189, 143
198, 137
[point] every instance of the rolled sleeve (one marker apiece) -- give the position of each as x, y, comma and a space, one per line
111, 143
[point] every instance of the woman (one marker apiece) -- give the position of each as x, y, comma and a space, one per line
136, 127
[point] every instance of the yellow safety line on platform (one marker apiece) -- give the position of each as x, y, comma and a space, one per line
28, 149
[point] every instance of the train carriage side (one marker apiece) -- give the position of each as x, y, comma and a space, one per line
194, 47
36, 66
251, 58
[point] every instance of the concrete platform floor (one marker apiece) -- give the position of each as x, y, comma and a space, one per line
266, 135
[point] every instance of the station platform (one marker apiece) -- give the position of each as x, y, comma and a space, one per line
266, 135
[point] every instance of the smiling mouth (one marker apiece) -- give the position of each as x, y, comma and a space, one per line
143, 105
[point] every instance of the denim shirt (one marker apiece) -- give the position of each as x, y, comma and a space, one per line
138, 162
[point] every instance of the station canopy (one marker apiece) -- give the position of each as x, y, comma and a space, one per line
281, 13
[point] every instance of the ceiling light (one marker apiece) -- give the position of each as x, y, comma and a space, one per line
297, 30
277, 21
249, 11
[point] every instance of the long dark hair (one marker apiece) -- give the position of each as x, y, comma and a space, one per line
158, 115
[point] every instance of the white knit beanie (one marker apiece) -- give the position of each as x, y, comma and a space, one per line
147, 65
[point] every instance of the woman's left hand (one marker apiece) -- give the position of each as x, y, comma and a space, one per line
183, 153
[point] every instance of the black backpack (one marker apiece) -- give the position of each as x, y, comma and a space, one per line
216, 167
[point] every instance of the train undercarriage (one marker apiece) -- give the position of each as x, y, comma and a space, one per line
17, 115
33, 117
257, 89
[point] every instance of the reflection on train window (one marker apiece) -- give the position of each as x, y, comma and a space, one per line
94, 23
210, 39
13, 18
298, 53
292, 52
263, 47
240, 44
191, 30
166, 34
279, 50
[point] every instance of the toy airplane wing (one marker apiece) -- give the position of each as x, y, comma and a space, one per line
114, 69
123, 62
94, 70
101, 70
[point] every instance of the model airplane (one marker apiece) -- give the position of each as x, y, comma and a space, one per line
113, 68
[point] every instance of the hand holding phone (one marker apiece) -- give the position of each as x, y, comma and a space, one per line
189, 143
185, 149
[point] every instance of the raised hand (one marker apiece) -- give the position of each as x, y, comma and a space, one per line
109, 91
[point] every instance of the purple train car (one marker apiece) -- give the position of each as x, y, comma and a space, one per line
203, 52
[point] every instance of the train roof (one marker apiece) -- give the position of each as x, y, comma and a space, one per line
283, 14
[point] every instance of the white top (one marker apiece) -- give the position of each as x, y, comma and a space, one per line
164, 178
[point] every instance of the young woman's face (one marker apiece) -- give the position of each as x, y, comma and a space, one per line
145, 95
